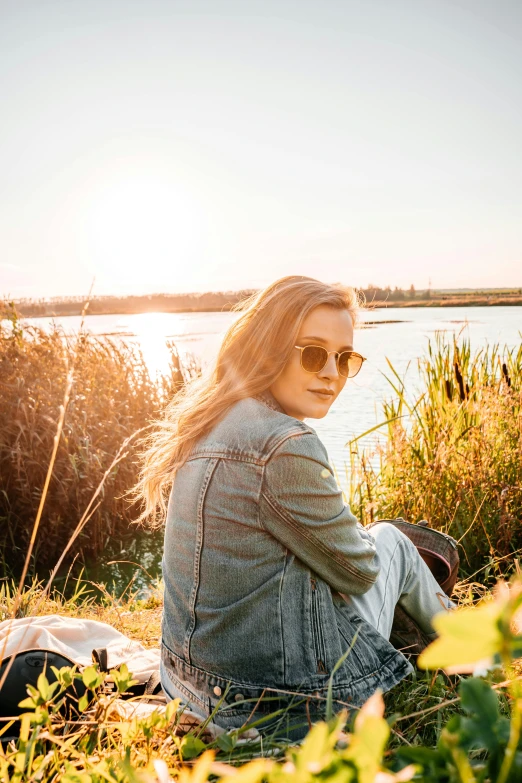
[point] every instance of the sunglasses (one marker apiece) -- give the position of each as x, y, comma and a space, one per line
314, 358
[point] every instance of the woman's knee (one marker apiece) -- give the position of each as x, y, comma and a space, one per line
386, 531
389, 540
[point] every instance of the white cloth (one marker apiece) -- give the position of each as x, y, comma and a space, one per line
76, 639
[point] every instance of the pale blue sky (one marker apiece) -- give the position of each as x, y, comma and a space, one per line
165, 145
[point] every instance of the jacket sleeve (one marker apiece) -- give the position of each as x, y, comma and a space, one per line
303, 508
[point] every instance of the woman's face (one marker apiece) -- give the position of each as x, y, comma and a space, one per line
298, 391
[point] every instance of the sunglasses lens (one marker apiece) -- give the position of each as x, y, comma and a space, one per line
350, 364
313, 358
345, 363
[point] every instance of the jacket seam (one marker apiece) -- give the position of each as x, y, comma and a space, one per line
287, 436
237, 456
241, 457
313, 540
197, 558
280, 598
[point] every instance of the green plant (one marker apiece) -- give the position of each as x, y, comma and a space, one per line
452, 454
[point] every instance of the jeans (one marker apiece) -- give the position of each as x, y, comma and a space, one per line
404, 579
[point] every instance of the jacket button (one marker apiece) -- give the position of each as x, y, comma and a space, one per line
217, 690
238, 697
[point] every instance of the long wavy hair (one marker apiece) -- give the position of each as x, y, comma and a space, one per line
254, 351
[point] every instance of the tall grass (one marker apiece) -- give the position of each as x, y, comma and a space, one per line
112, 397
453, 453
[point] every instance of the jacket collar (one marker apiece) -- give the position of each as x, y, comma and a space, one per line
269, 400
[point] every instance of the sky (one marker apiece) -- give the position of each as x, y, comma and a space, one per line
171, 146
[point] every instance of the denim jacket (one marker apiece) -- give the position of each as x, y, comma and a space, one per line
258, 547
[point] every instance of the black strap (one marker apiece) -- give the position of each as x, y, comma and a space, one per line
101, 657
153, 685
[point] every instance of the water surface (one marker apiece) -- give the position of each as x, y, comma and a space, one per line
401, 340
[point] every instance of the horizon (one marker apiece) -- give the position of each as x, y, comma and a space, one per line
209, 145
79, 298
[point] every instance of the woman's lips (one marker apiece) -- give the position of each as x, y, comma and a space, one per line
321, 395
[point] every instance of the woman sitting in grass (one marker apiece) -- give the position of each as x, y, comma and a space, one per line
269, 578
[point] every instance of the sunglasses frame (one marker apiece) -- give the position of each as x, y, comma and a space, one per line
337, 355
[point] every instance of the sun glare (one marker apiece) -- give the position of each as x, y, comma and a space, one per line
152, 329
140, 228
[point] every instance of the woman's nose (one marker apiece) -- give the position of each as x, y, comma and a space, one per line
330, 369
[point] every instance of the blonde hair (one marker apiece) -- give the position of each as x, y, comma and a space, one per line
254, 351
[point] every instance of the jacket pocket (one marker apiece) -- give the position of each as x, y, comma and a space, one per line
317, 631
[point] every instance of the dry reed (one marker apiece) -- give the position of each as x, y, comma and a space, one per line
111, 397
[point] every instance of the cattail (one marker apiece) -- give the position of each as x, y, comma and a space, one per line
505, 373
460, 381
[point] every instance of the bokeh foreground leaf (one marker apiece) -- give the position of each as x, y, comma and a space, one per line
477, 637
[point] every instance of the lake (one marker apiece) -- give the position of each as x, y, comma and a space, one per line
358, 407
399, 335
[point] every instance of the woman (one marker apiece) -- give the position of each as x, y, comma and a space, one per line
269, 578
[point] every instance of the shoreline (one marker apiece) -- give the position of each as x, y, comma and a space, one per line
488, 301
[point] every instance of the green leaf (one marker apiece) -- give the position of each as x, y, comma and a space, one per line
29, 703
43, 687
92, 678
171, 709
421, 755
479, 698
53, 687
369, 739
485, 728
466, 637
254, 772
83, 702
226, 742
123, 678
64, 675
311, 756
191, 747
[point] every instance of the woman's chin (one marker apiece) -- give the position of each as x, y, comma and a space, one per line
303, 408
316, 411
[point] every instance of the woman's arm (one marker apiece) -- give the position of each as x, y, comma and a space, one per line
302, 506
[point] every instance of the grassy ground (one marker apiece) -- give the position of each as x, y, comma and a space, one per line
137, 618
428, 718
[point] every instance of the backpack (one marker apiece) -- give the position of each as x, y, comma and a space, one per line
65, 645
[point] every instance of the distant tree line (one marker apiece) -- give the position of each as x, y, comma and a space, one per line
71, 305
376, 294
217, 301
192, 302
